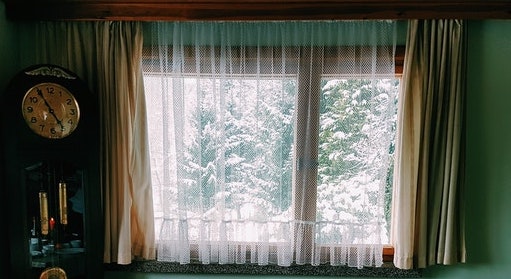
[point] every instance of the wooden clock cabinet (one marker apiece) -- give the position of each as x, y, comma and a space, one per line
52, 186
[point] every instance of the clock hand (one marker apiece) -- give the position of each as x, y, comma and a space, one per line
52, 112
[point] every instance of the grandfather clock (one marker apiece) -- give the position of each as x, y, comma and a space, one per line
50, 131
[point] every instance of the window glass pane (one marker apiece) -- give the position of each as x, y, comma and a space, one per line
235, 153
356, 148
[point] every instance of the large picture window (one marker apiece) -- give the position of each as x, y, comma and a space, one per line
270, 145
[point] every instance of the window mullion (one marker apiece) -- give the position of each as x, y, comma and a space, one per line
306, 152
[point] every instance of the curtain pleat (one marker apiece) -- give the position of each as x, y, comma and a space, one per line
107, 55
428, 224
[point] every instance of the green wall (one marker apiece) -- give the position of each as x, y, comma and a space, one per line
8, 48
488, 178
7, 69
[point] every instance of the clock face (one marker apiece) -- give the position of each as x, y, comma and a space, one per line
50, 110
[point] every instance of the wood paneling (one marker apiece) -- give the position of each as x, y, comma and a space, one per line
254, 9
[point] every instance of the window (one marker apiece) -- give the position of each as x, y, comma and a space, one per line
356, 146
268, 142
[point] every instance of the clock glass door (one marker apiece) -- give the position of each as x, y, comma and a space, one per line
55, 214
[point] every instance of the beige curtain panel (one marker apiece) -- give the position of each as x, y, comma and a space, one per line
428, 226
107, 55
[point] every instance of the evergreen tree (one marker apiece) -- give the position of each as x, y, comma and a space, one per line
354, 155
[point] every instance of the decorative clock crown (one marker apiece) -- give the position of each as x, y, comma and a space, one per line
50, 71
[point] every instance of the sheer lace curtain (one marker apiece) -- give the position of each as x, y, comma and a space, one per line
252, 127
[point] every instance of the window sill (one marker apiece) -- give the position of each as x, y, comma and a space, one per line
388, 270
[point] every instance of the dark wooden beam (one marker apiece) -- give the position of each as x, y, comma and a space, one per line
254, 9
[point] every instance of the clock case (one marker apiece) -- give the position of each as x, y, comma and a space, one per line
29, 159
